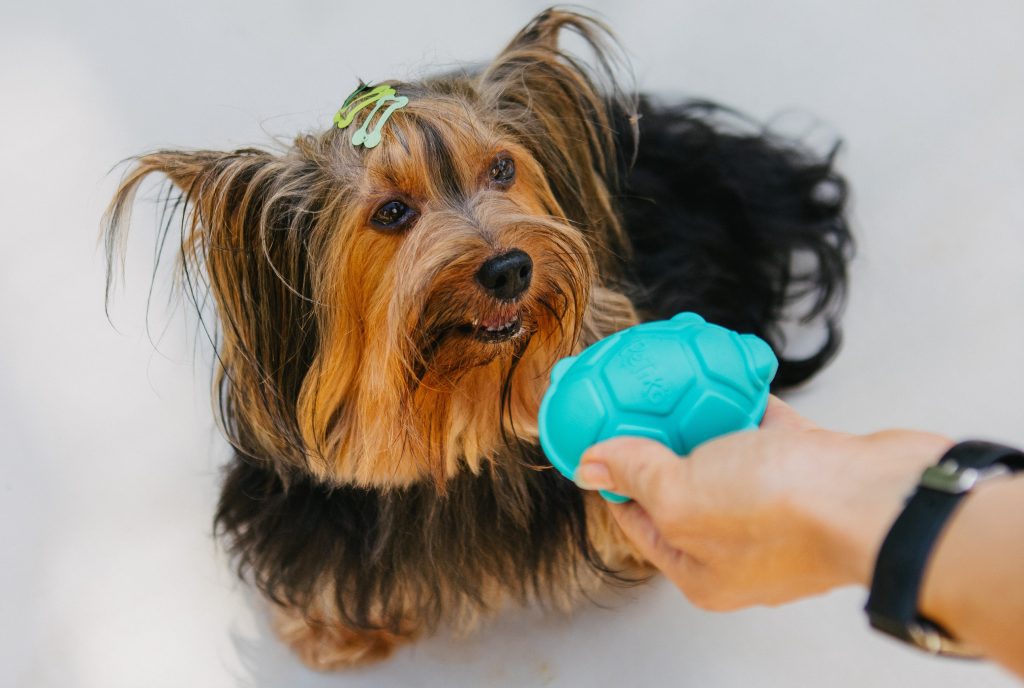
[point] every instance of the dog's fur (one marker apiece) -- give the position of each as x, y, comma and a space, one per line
386, 475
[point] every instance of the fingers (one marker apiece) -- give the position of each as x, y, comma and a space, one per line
641, 530
642, 469
648, 471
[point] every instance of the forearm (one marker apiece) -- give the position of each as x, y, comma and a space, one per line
973, 585
792, 510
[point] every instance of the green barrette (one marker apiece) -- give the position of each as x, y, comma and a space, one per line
359, 100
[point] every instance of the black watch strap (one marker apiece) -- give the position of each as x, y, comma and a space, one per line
892, 606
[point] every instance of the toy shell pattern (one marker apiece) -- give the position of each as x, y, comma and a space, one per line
681, 382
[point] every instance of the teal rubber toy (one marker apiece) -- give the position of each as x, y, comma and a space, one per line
681, 382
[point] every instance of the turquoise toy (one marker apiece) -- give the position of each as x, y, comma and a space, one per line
681, 382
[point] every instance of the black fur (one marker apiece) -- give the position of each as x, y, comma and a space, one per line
410, 554
718, 211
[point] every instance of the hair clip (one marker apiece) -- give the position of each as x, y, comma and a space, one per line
359, 100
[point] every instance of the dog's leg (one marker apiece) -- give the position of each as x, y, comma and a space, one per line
327, 645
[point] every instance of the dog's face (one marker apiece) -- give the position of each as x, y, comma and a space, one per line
391, 314
457, 282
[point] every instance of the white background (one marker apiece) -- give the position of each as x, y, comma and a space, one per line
110, 460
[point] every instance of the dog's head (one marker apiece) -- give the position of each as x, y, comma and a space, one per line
389, 313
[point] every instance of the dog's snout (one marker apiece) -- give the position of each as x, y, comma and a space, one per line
506, 276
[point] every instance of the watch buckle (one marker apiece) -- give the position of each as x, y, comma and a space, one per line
927, 637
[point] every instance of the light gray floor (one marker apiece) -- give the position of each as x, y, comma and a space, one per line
109, 575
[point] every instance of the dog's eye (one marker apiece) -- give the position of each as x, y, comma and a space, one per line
503, 171
392, 215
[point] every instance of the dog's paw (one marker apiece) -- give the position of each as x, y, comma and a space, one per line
327, 646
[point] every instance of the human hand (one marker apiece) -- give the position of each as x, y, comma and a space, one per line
765, 516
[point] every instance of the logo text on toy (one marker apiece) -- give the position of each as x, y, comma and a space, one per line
636, 358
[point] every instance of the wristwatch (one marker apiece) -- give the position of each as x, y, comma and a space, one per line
892, 606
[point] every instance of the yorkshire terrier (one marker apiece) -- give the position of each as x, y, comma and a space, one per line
389, 314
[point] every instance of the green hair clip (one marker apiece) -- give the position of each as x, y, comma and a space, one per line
362, 98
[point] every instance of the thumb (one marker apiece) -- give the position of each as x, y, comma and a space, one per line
645, 470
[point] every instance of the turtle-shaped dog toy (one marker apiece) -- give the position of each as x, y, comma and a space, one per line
681, 382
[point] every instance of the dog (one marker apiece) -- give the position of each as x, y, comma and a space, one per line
387, 317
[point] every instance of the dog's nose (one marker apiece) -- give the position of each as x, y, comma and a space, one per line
506, 276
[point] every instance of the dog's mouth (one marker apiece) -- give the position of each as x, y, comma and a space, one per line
497, 330
481, 334
501, 325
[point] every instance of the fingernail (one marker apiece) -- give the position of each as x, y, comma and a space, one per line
593, 476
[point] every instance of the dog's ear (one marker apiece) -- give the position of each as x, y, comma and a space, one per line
245, 219
569, 113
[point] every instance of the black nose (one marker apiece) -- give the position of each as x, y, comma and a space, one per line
506, 276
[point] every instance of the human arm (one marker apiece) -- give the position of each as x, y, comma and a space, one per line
791, 510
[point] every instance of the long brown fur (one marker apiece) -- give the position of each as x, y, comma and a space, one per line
284, 240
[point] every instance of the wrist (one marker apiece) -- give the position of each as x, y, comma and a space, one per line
966, 537
880, 472
947, 494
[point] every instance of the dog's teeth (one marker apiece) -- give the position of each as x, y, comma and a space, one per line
501, 327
